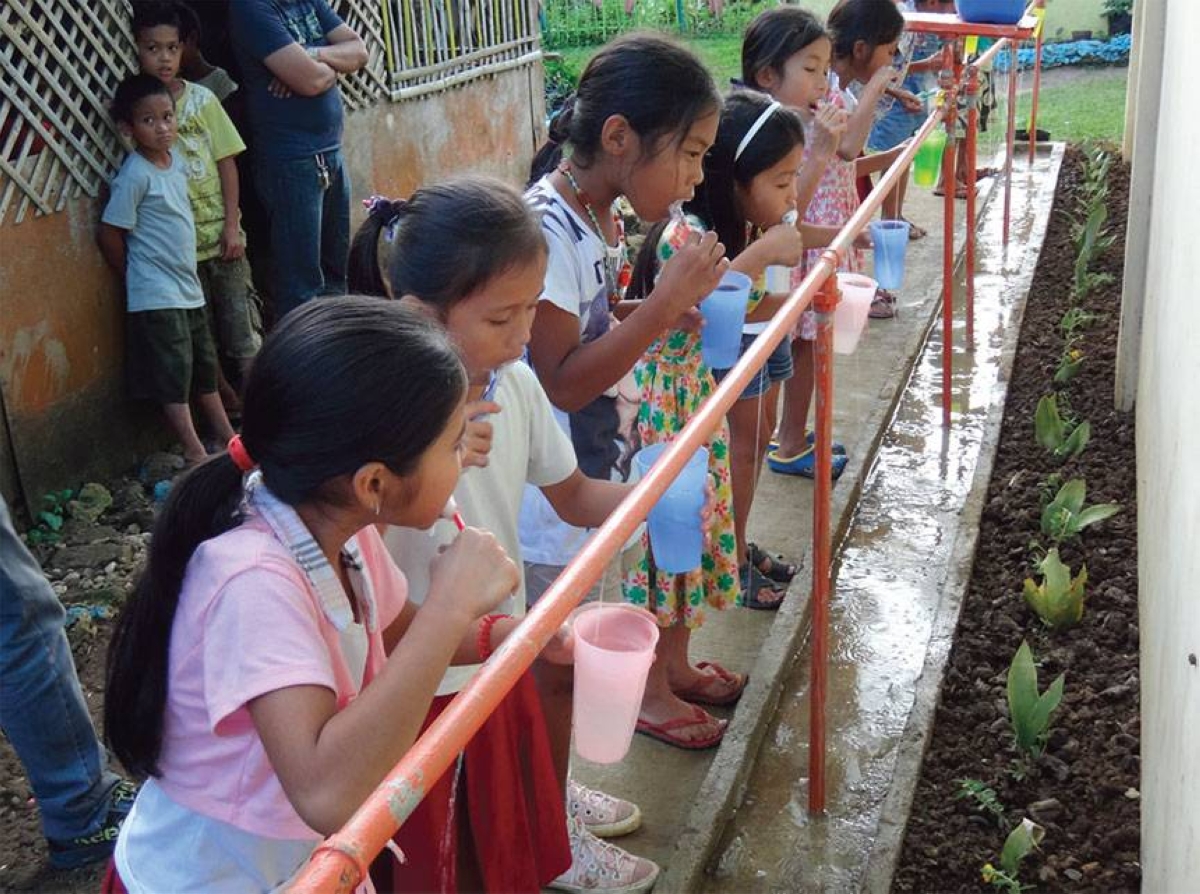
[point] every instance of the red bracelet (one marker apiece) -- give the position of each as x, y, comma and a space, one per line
483, 642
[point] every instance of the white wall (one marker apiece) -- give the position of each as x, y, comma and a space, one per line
1168, 446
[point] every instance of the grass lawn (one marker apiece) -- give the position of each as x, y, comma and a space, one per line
1076, 104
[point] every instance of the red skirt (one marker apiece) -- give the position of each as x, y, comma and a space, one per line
509, 802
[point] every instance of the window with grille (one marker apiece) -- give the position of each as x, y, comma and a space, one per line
433, 45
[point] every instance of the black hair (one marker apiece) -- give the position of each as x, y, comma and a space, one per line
657, 85
189, 23
132, 91
447, 240
715, 202
152, 13
774, 37
874, 22
339, 382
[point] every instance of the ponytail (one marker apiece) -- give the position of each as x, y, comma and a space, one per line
364, 274
645, 267
551, 154
202, 505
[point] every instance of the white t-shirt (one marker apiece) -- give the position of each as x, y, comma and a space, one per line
528, 446
577, 281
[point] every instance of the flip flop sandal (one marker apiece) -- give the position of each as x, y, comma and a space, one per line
915, 232
780, 569
804, 464
981, 173
754, 582
665, 731
698, 693
839, 449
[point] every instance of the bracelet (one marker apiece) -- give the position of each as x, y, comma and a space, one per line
483, 642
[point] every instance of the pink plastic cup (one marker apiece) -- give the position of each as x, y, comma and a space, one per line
614, 647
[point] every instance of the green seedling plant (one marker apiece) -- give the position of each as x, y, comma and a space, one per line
1068, 365
983, 796
1065, 516
1073, 320
1021, 842
50, 520
1057, 434
1091, 239
1058, 599
1029, 710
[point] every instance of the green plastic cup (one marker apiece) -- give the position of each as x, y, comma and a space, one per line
928, 160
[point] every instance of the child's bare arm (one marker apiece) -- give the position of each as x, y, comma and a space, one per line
231, 243
297, 72
111, 241
863, 118
585, 502
878, 161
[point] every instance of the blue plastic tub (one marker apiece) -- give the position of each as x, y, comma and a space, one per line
991, 12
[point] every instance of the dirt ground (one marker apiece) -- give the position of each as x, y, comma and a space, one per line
1084, 791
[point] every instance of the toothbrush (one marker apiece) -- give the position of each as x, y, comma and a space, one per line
451, 512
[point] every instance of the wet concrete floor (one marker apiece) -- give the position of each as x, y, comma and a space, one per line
889, 585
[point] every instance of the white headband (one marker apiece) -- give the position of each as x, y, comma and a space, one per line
755, 128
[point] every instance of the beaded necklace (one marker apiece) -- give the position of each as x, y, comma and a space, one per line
618, 272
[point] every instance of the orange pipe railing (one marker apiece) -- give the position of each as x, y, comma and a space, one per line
1040, 11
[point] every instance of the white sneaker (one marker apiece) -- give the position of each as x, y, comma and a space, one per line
598, 867
603, 815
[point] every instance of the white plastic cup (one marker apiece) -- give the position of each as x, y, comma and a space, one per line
779, 279
850, 317
676, 529
614, 648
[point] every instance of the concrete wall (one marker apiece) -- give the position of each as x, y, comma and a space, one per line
1168, 443
64, 417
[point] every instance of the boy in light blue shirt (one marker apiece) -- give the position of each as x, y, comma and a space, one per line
147, 236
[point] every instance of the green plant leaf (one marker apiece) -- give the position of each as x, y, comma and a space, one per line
1022, 695
1047, 424
1071, 495
1096, 513
1076, 441
1021, 841
1047, 703
51, 520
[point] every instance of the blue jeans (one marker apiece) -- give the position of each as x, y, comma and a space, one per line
309, 218
42, 710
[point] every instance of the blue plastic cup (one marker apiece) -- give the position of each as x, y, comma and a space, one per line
676, 533
890, 238
724, 315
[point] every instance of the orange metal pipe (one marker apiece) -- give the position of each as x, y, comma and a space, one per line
339, 864
1037, 81
826, 302
949, 186
972, 137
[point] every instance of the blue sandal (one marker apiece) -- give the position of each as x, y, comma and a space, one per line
804, 464
839, 449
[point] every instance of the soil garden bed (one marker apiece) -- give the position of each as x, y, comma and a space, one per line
1084, 788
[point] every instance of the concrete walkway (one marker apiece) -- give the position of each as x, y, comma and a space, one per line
689, 798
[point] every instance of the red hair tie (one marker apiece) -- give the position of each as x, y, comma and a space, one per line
240, 455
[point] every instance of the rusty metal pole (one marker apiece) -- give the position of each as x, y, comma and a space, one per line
950, 187
972, 136
824, 303
1040, 12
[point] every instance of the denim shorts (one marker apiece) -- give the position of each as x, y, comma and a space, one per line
777, 369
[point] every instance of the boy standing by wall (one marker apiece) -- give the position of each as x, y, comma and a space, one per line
208, 143
147, 235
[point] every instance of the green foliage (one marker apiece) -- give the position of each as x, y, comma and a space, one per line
1073, 320
1058, 435
50, 519
1065, 516
1030, 710
1091, 240
1068, 366
1021, 842
984, 797
573, 23
1058, 599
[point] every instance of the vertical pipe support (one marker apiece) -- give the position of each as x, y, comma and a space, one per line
824, 304
1040, 12
1010, 134
970, 163
953, 77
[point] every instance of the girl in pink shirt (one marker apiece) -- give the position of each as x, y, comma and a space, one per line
268, 671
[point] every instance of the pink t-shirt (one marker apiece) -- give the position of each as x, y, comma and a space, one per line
249, 622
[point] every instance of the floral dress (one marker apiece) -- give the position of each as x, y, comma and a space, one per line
834, 203
674, 380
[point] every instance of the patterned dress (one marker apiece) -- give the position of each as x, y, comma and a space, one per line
834, 203
674, 381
